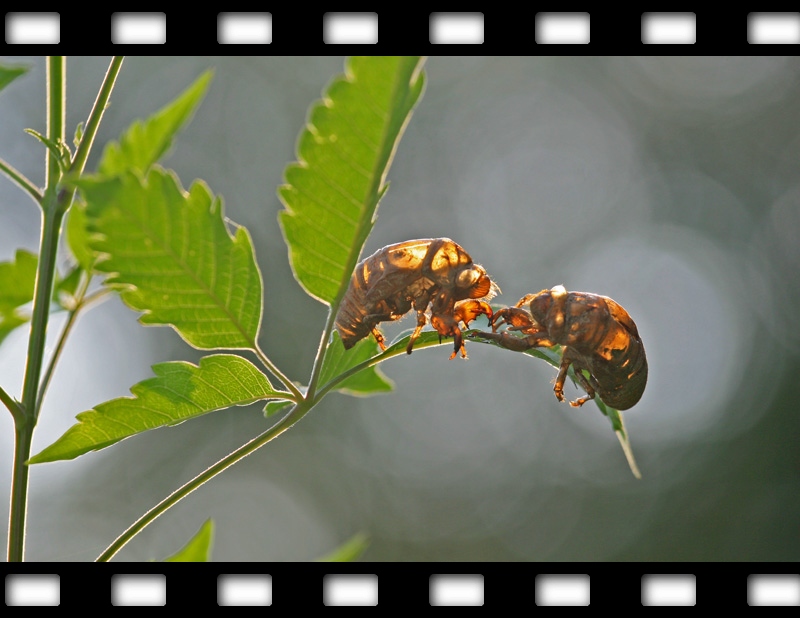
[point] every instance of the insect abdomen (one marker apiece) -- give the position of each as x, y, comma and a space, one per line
622, 383
350, 320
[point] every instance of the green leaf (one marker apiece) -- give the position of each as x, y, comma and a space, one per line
368, 381
349, 551
331, 194
8, 74
179, 391
170, 255
273, 407
141, 146
10, 321
65, 288
17, 280
618, 423
365, 353
58, 148
144, 143
78, 236
198, 549
78, 136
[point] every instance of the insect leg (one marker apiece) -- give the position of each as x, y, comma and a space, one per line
379, 337
516, 318
458, 344
467, 310
421, 321
566, 361
590, 392
558, 389
517, 344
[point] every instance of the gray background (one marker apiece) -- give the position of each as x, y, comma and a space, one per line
670, 184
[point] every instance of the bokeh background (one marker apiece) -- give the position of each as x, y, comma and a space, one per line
670, 184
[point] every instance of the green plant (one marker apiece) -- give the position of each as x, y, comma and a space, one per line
170, 254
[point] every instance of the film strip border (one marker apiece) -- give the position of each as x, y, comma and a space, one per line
295, 29
314, 585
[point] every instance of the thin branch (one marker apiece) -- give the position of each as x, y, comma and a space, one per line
323, 348
22, 181
273, 369
394, 350
12, 405
71, 317
295, 414
95, 116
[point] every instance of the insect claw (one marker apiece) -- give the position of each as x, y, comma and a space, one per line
579, 402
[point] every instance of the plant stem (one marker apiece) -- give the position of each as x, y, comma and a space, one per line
56, 113
96, 115
55, 203
12, 405
322, 350
395, 350
53, 216
71, 317
77, 167
23, 434
295, 414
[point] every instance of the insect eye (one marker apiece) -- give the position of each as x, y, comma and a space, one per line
467, 278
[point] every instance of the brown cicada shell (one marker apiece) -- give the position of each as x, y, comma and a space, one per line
596, 333
433, 273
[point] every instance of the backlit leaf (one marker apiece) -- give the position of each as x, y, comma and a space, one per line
17, 280
369, 381
349, 551
8, 74
331, 194
198, 549
146, 142
171, 256
179, 391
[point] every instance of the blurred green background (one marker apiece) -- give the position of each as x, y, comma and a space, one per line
670, 184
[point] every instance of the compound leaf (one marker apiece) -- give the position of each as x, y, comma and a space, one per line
179, 391
170, 255
331, 194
